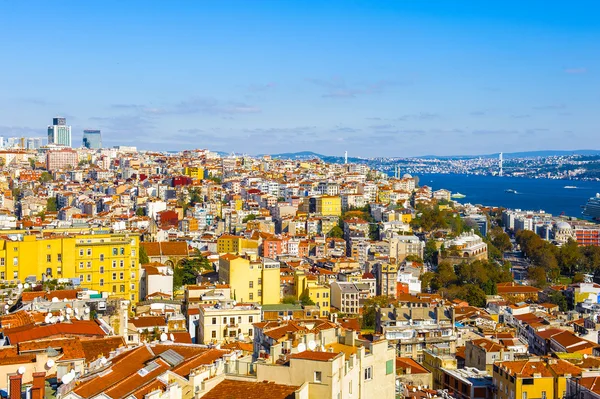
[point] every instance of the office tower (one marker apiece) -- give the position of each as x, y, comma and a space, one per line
92, 139
59, 133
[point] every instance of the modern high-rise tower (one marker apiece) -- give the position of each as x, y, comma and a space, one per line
92, 139
59, 133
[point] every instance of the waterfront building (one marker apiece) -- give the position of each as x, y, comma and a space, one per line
59, 133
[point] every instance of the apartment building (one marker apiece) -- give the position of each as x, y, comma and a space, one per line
251, 280
227, 322
102, 262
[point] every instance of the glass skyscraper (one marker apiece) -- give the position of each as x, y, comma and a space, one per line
92, 139
59, 133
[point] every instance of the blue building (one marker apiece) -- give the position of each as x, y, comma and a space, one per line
92, 139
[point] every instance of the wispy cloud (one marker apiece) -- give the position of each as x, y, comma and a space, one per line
550, 107
21, 131
575, 71
337, 87
255, 88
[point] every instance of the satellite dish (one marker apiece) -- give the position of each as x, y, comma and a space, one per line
10, 302
103, 360
241, 336
172, 337
26, 285
21, 370
67, 378
312, 345
301, 347
6, 307
76, 311
234, 303
55, 299
20, 286
53, 319
49, 314
65, 300
87, 310
69, 310
50, 363
163, 337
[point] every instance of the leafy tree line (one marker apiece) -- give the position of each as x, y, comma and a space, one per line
470, 282
549, 262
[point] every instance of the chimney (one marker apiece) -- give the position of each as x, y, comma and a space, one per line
39, 385
15, 386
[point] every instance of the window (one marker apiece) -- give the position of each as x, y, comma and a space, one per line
250, 332
260, 281
114, 276
368, 373
214, 334
101, 282
239, 319
251, 284
89, 252
259, 293
15, 275
2, 275
122, 263
81, 252
101, 269
115, 251
224, 320
114, 288
251, 296
132, 274
524, 395
47, 246
133, 286
121, 275
317, 294
101, 256
122, 251
15, 261
1, 261
81, 265
318, 376
89, 277
214, 320
250, 319
81, 277
543, 394
389, 367
89, 265
59, 257
114, 264
122, 288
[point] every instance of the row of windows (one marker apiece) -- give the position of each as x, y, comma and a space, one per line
114, 264
115, 252
114, 277
232, 334
232, 320
251, 283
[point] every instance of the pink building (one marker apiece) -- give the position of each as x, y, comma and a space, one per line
61, 159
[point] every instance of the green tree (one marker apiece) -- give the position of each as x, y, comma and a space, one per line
537, 276
500, 239
289, 299
426, 280
413, 258
370, 306
51, 204
249, 218
578, 278
305, 299
143, 256
188, 270
140, 211
559, 299
446, 274
569, 257
336, 232
430, 252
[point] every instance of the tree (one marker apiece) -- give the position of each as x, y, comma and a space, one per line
413, 258
51, 204
188, 269
370, 306
140, 211
305, 299
430, 252
426, 280
336, 232
143, 256
559, 299
249, 218
446, 274
568, 257
578, 278
537, 275
500, 239
289, 299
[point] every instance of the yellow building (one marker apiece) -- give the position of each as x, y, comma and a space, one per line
231, 244
533, 378
103, 262
329, 205
195, 172
318, 293
251, 280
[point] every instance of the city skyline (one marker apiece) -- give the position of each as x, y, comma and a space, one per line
399, 79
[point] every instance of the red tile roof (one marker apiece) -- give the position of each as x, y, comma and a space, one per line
75, 327
233, 389
316, 356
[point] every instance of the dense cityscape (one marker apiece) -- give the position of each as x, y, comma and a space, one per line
195, 274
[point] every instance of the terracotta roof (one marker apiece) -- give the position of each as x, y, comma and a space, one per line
237, 345
75, 327
209, 356
71, 348
233, 389
182, 337
166, 248
148, 321
95, 348
403, 363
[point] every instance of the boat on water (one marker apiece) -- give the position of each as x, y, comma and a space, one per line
592, 208
510, 191
458, 195
570, 187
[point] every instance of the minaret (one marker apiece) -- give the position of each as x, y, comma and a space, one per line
500, 174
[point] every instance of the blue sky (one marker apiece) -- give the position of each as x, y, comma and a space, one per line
375, 78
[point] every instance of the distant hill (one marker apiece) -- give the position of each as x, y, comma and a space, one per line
298, 155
